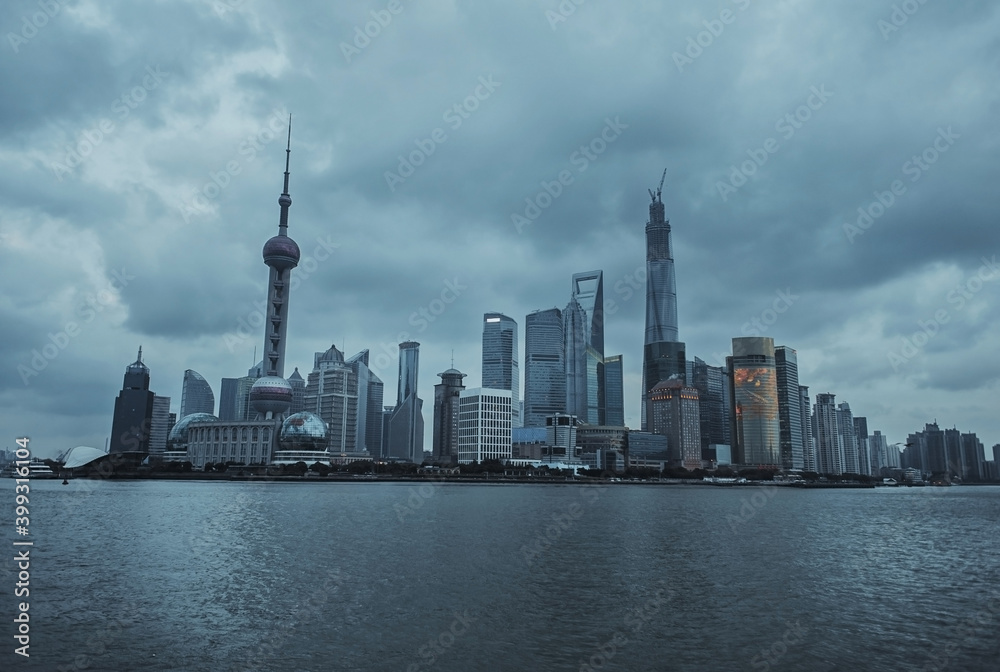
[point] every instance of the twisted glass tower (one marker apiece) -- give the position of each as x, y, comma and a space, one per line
663, 356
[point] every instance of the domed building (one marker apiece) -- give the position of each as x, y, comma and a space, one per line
303, 431
304, 438
178, 437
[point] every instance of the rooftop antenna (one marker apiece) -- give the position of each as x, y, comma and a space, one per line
254, 362
659, 190
453, 358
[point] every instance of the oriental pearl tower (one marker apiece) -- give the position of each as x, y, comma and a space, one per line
271, 396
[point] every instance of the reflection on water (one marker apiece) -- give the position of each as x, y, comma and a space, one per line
238, 576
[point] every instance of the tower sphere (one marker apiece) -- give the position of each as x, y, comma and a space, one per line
271, 394
281, 252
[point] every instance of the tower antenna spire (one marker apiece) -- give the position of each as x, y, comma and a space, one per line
285, 200
658, 194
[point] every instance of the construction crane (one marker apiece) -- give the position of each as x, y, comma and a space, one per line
659, 190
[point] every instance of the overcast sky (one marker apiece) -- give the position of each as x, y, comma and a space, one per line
141, 147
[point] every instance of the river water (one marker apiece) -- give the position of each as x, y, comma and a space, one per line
150, 575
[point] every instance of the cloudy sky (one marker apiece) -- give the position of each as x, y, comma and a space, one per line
141, 146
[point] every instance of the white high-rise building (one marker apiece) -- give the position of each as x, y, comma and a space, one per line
484, 424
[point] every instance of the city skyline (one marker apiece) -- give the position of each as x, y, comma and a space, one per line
107, 241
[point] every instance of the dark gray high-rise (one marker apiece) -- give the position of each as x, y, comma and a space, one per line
500, 359
789, 408
133, 418
663, 355
544, 366
446, 396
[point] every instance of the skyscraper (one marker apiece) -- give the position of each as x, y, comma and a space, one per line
663, 355
829, 449
132, 421
756, 429
864, 452
588, 290
446, 408
614, 391
544, 366
298, 384
332, 394
500, 356
713, 403
583, 336
228, 399
159, 425
789, 408
405, 439
196, 395
879, 449
674, 412
484, 429
808, 446
848, 438
575, 349
370, 390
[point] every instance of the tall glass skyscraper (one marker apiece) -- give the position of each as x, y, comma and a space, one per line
405, 440
789, 408
713, 402
663, 355
196, 394
808, 447
848, 439
583, 335
588, 290
500, 367
544, 366
829, 449
756, 426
